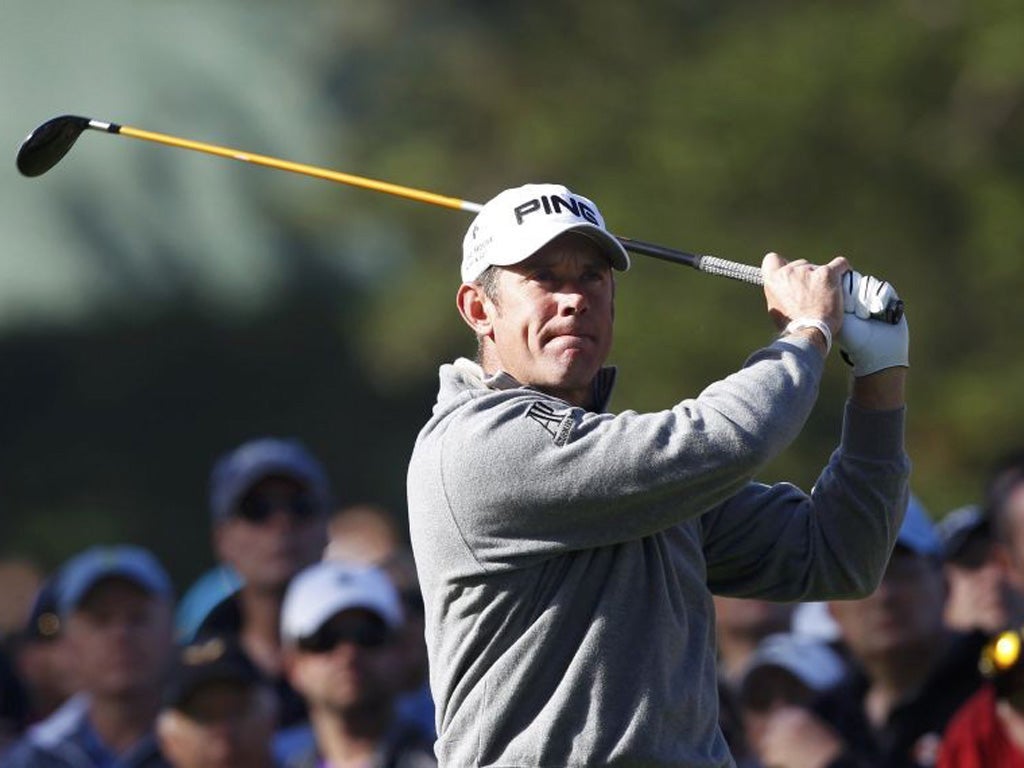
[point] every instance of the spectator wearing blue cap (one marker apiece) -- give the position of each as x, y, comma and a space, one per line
115, 607
910, 674
269, 501
41, 656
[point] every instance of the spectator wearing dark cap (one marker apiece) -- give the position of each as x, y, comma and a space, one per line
980, 596
269, 499
218, 711
911, 671
115, 605
989, 728
41, 657
341, 626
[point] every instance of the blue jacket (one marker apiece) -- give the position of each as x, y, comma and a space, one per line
67, 740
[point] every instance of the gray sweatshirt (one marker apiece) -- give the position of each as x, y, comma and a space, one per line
567, 557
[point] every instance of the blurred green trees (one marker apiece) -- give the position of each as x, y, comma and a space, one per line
888, 132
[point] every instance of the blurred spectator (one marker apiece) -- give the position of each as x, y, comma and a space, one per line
363, 533
269, 499
980, 596
785, 670
740, 625
218, 711
914, 672
41, 657
206, 593
415, 705
368, 534
342, 627
20, 579
115, 605
730, 720
989, 729
13, 705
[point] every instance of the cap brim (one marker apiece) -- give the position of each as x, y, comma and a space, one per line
518, 250
76, 594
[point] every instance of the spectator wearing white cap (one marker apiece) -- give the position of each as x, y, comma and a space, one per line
115, 606
341, 627
269, 500
911, 672
741, 624
785, 670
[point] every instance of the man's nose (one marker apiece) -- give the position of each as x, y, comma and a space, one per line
573, 299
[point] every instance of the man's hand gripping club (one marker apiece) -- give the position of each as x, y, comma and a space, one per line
803, 297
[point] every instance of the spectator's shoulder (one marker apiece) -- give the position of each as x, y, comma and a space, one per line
24, 753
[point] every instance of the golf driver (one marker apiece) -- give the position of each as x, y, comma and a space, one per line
47, 145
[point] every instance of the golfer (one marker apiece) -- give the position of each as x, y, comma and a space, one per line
567, 555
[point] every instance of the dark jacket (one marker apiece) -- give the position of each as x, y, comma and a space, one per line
225, 618
66, 740
911, 735
403, 747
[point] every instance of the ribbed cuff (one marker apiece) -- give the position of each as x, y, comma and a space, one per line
871, 433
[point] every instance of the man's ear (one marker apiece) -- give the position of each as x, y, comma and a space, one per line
476, 309
1008, 566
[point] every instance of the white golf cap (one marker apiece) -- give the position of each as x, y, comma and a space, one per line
811, 661
518, 222
322, 591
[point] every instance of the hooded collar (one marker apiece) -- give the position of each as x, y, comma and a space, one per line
473, 374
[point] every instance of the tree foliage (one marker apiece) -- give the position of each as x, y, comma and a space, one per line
888, 132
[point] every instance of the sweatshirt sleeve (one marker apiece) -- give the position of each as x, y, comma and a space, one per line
837, 540
525, 474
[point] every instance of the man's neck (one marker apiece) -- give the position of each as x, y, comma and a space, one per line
582, 398
350, 738
896, 677
261, 621
121, 721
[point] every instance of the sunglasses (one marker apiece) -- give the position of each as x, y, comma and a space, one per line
371, 633
258, 509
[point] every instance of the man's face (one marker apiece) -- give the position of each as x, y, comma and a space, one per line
120, 639
275, 532
1013, 513
750, 618
903, 614
356, 664
551, 324
222, 725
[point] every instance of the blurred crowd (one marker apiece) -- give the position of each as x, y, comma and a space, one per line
304, 646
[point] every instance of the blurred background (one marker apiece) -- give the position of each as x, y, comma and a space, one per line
158, 307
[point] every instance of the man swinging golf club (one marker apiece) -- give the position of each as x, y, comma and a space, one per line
567, 555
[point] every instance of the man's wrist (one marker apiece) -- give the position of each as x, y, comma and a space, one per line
812, 328
884, 390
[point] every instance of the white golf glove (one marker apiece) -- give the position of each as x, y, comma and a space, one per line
869, 344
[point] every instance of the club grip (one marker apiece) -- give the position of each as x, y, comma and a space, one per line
716, 266
746, 273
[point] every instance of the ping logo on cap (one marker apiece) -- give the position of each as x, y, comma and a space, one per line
518, 222
555, 204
